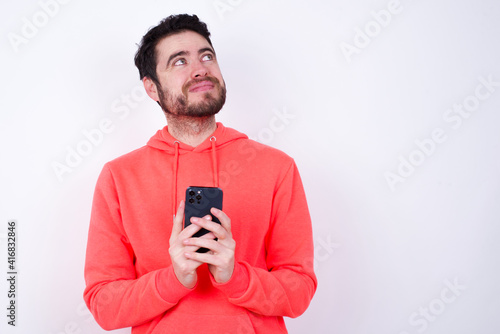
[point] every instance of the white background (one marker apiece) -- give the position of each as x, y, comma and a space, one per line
386, 253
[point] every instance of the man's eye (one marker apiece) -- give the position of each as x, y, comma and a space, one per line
180, 62
207, 57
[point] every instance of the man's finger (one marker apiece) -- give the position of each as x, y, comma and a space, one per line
211, 226
223, 218
178, 219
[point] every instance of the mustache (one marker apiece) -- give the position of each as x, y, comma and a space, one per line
188, 84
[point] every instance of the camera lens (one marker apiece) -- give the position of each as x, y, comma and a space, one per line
191, 200
191, 193
198, 197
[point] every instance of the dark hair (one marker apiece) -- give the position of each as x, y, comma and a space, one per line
145, 58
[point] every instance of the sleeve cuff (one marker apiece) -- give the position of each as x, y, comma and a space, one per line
169, 287
237, 284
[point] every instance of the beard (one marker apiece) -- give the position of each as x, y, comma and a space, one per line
180, 106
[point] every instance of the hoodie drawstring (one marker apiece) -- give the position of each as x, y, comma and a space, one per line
174, 184
214, 162
176, 169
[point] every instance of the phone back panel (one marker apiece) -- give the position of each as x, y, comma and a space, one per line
199, 201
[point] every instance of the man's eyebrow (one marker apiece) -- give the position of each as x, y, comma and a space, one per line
177, 54
205, 50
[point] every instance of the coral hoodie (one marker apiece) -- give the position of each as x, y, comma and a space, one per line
129, 278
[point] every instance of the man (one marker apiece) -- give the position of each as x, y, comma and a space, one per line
142, 267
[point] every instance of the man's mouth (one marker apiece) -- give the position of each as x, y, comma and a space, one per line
201, 86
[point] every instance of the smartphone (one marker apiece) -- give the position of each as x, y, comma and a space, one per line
199, 201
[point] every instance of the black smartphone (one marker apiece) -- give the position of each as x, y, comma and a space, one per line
199, 201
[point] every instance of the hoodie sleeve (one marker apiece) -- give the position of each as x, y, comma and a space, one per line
114, 294
287, 287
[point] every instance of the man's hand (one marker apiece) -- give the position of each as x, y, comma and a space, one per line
220, 258
184, 267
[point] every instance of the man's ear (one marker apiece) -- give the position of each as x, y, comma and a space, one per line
151, 88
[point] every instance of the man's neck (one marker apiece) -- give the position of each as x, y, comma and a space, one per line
191, 130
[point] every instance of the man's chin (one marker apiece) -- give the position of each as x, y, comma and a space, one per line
198, 104
202, 110
208, 106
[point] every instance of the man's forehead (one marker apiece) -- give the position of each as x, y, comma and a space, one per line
182, 41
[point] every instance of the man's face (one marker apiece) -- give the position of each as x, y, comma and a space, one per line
191, 83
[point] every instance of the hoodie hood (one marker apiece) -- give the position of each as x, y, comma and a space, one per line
221, 137
164, 141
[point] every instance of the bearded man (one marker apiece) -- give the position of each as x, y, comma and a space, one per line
143, 268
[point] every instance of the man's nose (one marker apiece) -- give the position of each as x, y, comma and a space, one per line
199, 70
